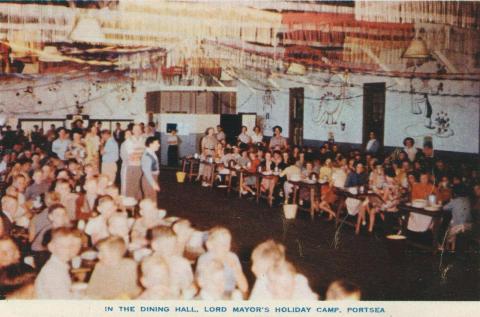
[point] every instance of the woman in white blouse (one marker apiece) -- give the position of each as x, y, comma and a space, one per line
257, 136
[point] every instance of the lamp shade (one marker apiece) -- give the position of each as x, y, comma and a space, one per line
417, 49
87, 30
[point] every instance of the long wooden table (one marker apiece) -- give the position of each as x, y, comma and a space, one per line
407, 209
313, 187
343, 194
269, 196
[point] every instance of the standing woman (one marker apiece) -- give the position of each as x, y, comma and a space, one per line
131, 151
172, 153
208, 145
278, 142
92, 145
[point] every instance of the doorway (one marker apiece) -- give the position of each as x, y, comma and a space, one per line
232, 126
373, 111
296, 116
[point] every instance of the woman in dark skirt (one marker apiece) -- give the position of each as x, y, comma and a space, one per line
172, 149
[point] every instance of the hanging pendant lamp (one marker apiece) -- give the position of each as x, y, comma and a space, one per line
417, 49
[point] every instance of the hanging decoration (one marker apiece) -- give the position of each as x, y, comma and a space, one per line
462, 14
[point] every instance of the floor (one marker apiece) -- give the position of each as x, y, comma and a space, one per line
323, 254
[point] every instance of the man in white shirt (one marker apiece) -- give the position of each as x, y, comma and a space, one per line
373, 145
60, 145
53, 281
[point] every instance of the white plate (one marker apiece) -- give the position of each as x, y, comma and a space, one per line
89, 255
129, 201
432, 208
78, 287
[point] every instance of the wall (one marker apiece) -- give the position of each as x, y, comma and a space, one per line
459, 133
334, 106
55, 97
269, 113
191, 128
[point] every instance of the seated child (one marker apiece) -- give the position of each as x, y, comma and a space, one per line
151, 217
9, 253
54, 281
114, 275
343, 290
212, 281
155, 279
189, 241
218, 249
164, 244
282, 282
118, 225
264, 256
86, 201
97, 227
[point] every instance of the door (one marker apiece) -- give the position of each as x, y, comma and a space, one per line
373, 111
296, 116
232, 126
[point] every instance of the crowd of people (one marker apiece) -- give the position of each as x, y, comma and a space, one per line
76, 224
404, 175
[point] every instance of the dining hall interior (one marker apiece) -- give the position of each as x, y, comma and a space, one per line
240, 150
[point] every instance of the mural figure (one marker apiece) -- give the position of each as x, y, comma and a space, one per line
268, 101
329, 109
428, 113
439, 126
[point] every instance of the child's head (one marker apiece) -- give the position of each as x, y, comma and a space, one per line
9, 253
343, 290
58, 216
65, 243
106, 206
155, 272
118, 225
281, 280
164, 241
62, 187
219, 240
17, 282
265, 255
103, 182
38, 176
211, 278
52, 198
148, 209
10, 205
111, 250
183, 229
112, 191
89, 170
90, 186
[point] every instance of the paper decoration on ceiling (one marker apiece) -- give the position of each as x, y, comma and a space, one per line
462, 14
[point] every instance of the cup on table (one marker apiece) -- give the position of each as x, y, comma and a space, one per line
76, 262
